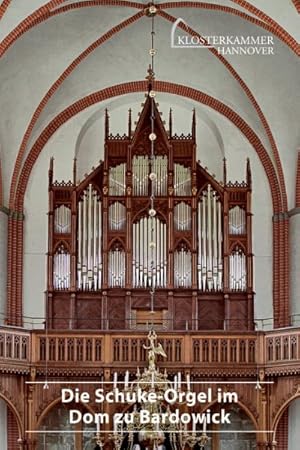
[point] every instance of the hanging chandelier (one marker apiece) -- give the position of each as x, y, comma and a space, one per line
142, 431
162, 433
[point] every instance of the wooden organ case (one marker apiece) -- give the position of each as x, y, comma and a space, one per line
106, 251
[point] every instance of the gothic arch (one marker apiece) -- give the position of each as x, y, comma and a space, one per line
281, 411
15, 414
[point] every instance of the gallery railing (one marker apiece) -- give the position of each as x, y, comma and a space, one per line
274, 349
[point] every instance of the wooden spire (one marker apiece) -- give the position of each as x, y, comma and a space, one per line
50, 172
248, 173
194, 124
129, 122
106, 124
170, 123
74, 171
224, 171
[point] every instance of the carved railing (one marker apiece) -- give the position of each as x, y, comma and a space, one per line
224, 350
282, 346
277, 350
126, 348
14, 345
67, 348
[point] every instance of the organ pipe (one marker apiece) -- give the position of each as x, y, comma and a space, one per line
62, 220
89, 238
61, 269
116, 268
149, 253
117, 216
210, 237
116, 179
141, 171
237, 269
182, 180
182, 217
182, 268
237, 220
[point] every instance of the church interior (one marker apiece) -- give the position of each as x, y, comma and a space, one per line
150, 221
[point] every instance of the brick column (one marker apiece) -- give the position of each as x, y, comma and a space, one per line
282, 432
12, 431
3, 262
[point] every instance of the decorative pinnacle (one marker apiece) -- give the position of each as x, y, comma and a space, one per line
151, 75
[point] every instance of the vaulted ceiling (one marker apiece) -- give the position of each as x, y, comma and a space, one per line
55, 54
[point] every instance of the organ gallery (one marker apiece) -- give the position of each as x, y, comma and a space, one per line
110, 244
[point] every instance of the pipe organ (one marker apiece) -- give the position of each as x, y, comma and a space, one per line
210, 241
140, 222
149, 253
89, 242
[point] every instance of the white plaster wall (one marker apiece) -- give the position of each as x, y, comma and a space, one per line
3, 424
294, 429
50, 47
295, 268
3, 265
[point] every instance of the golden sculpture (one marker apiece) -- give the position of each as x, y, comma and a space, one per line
153, 350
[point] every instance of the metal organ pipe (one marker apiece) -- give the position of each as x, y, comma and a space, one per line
89, 238
182, 217
210, 237
182, 268
182, 180
149, 253
117, 216
237, 268
237, 220
62, 220
116, 179
116, 268
61, 269
140, 174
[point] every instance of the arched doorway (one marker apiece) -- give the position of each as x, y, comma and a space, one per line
240, 434
57, 433
9, 427
287, 434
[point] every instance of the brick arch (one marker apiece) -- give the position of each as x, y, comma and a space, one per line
15, 413
52, 405
141, 86
282, 410
45, 12
99, 42
297, 196
15, 249
252, 100
3, 7
105, 37
245, 408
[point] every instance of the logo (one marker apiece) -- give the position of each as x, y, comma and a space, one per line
182, 36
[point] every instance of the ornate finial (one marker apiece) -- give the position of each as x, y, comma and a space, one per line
194, 124
170, 123
248, 173
129, 122
106, 124
224, 171
152, 350
151, 10
151, 76
51, 168
74, 171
